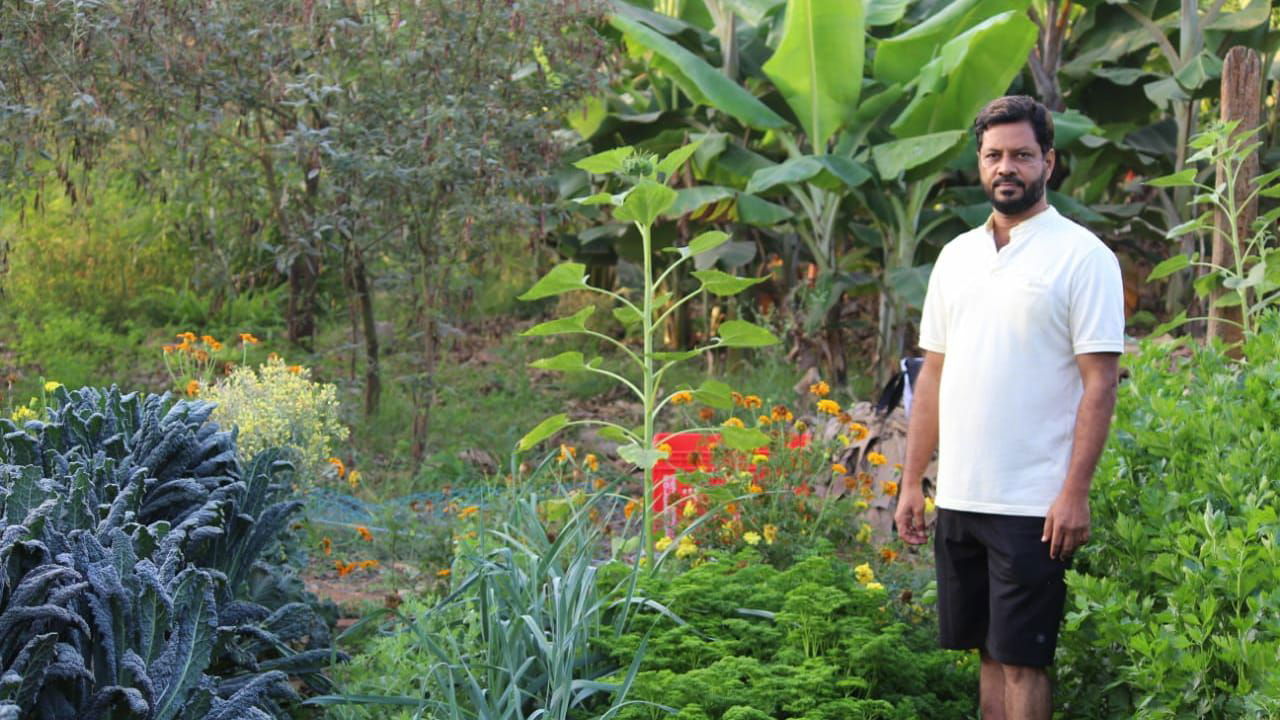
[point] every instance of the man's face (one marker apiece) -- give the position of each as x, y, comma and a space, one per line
1012, 168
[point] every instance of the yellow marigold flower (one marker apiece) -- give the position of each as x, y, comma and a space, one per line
820, 389
929, 505
733, 422
800, 426
844, 439
864, 534
686, 547
23, 414
752, 402
858, 432
353, 479
738, 399
755, 489
338, 466
629, 509
780, 413
248, 339
468, 511
876, 458
364, 533
839, 469
592, 462
327, 546
888, 554
52, 385
874, 586
443, 572
684, 397
751, 538
759, 458
689, 509
866, 493
890, 488
567, 452
764, 420
830, 407
193, 388
665, 448
860, 505
770, 533
864, 573
662, 543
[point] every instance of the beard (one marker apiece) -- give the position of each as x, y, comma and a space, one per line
1020, 203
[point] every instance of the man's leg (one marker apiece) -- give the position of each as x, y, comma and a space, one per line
1027, 694
991, 689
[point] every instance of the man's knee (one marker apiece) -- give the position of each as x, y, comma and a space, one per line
1022, 674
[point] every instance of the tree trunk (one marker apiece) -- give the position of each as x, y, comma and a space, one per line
424, 386
1241, 91
301, 315
372, 371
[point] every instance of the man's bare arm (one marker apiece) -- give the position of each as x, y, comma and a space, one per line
922, 440
1066, 527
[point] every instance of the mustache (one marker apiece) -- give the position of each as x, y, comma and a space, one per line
1009, 181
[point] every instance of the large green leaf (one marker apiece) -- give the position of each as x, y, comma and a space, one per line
900, 58
694, 199
576, 322
571, 361
646, 202
1169, 267
602, 163
644, 458
677, 157
894, 158
180, 668
724, 284
719, 91
885, 12
743, 439
754, 11
740, 333
1255, 14
715, 394
563, 278
830, 172
970, 70
542, 431
818, 65
752, 210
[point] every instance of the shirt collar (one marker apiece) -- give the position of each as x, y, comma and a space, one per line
1026, 226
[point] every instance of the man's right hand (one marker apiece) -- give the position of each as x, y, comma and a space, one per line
910, 515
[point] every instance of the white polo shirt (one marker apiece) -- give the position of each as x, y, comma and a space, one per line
1010, 324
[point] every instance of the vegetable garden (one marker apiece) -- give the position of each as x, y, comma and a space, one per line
481, 359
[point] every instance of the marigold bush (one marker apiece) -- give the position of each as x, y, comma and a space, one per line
278, 405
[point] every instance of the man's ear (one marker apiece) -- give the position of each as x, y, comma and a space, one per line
1050, 161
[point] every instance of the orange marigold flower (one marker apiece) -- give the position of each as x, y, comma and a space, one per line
752, 402
850, 483
327, 546
755, 489
338, 466
201, 356
764, 420
864, 479
858, 432
207, 339
368, 564
684, 397
468, 511
344, 568
443, 572
876, 458
592, 462
890, 488
193, 388
830, 407
839, 469
737, 398
820, 389
888, 554
567, 452
780, 413
295, 369
630, 508
188, 336
215, 346
665, 448
248, 338
168, 349
733, 422
706, 413
866, 493
364, 533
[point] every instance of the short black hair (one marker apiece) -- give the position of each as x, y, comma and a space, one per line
1016, 109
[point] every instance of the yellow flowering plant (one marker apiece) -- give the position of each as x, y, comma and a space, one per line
272, 406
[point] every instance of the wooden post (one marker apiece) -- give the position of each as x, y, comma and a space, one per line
1241, 101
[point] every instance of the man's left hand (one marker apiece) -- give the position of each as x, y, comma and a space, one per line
1066, 526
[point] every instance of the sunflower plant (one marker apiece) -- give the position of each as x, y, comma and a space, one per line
643, 202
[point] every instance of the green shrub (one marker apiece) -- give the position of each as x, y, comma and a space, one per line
757, 643
134, 568
1176, 611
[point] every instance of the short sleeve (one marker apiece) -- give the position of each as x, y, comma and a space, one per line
933, 319
1097, 304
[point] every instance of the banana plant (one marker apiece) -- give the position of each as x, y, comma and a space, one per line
643, 204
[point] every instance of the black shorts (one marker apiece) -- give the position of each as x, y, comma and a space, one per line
998, 589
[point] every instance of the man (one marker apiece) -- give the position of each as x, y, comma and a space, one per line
1026, 315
